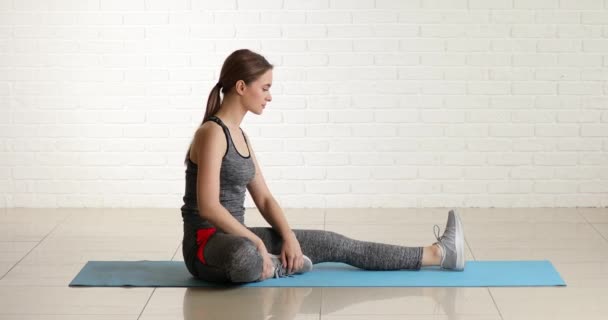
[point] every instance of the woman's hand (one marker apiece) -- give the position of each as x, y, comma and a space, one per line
291, 254
268, 270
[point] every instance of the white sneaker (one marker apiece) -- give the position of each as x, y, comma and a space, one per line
280, 272
452, 243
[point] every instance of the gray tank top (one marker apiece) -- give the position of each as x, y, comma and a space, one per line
235, 173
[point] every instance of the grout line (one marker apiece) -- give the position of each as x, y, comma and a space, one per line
321, 304
471, 250
144, 308
591, 224
175, 252
495, 304
468, 244
596, 230
36, 246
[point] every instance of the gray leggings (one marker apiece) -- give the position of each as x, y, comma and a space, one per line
232, 258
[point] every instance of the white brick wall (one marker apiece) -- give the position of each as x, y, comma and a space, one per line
383, 103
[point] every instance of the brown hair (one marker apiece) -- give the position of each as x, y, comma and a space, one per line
242, 64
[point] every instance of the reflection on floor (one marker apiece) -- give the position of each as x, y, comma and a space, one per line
41, 250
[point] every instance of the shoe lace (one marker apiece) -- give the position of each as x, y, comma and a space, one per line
436, 230
279, 271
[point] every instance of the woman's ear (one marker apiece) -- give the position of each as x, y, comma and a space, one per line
240, 87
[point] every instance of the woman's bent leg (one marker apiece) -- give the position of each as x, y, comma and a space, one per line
230, 258
329, 246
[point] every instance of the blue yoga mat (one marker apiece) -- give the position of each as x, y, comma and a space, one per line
328, 274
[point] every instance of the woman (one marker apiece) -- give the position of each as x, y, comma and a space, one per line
221, 163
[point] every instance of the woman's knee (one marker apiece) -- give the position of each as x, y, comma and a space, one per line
245, 263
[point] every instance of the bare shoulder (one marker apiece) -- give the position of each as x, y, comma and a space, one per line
208, 135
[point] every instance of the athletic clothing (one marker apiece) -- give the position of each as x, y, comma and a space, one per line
236, 172
212, 255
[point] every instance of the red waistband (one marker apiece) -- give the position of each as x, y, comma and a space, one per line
202, 236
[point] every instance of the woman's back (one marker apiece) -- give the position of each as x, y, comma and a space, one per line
235, 173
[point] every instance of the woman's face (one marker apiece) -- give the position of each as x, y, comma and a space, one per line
257, 94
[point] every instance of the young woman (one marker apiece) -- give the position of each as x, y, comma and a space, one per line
221, 164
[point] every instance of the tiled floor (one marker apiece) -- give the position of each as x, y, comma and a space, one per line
41, 250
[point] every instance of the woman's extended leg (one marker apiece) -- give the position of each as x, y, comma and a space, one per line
329, 246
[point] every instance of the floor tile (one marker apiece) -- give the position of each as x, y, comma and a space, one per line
58, 274
67, 317
374, 302
33, 231
558, 242
602, 228
532, 231
13, 251
594, 215
253, 303
29, 215
551, 303
412, 317
521, 215
31, 224
179, 256
117, 228
583, 274
121, 222
66, 300
4, 268
553, 255
58, 242
83, 249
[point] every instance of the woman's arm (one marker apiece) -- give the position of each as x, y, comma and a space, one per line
273, 213
264, 201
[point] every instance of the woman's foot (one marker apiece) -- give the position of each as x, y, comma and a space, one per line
280, 272
451, 243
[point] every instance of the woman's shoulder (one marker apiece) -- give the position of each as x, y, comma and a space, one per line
209, 124
208, 134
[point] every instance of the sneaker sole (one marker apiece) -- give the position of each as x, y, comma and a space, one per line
459, 243
307, 261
